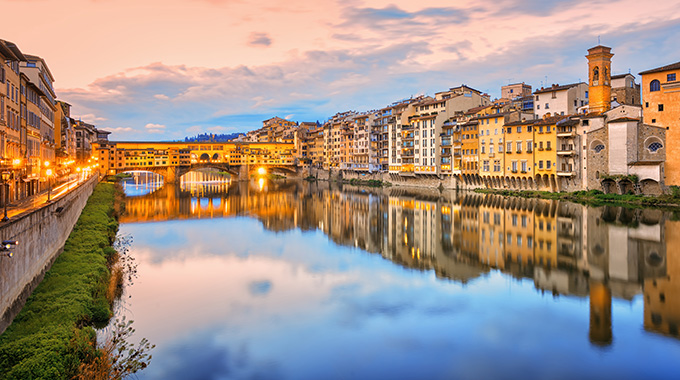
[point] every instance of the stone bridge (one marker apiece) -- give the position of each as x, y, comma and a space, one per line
174, 159
172, 174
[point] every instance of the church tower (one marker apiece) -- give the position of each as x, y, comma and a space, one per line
599, 78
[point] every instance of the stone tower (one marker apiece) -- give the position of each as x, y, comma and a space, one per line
599, 78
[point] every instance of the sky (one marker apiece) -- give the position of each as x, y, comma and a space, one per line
166, 69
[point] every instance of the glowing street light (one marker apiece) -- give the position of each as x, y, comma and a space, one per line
5, 183
48, 172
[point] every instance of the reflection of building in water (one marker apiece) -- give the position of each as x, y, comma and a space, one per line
662, 292
566, 249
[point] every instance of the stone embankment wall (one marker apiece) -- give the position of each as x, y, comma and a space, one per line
41, 234
415, 180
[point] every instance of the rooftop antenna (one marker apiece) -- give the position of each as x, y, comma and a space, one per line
598, 40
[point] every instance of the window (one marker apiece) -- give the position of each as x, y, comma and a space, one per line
598, 148
540, 164
519, 129
670, 77
547, 164
547, 105
524, 166
660, 107
655, 146
654, 85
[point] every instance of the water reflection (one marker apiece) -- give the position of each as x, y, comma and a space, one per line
565, 249
294, 280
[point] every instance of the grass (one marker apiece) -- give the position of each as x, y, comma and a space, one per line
596, 198
52, 334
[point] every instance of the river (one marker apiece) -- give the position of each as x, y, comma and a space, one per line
296, 280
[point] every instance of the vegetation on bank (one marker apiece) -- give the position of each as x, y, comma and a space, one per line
598, 198
366, 182
52, 337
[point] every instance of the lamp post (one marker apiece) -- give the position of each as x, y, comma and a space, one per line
5, 188
48, 172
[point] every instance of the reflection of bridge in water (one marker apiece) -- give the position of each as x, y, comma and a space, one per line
564, 248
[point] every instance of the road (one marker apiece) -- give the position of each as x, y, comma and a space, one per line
37, 200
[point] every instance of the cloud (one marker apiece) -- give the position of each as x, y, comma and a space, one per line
155, 128
259, 39
376, 55
119, 129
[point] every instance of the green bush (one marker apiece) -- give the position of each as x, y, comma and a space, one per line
50, 336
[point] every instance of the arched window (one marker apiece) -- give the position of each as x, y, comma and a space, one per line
596, 74
598, 148
654, 85
653, 147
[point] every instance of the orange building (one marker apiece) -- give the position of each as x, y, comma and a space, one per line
661, 107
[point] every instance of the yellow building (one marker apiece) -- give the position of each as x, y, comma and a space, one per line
470, 149
661, 107
519, 153
545, 154
492, 149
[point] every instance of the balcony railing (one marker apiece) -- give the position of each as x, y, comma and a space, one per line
566, 152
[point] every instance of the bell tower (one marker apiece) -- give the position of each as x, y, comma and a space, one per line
599, 78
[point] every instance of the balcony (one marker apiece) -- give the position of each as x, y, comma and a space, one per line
492, 155
457, 144
566, 152
564, 173
407, 153
566, 134
446, 142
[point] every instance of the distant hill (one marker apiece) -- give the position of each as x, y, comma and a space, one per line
212, 137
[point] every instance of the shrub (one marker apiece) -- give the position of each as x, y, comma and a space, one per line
50, 336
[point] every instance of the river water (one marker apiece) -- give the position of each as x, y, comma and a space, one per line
296, 280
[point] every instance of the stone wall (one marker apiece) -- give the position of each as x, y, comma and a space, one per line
41, 234
597, 163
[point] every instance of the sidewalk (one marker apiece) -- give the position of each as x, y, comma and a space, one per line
39, 199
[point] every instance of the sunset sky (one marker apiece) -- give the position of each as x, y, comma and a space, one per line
152, 69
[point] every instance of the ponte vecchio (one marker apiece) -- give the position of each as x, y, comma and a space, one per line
173, 159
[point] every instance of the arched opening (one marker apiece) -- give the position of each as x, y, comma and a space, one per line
608, 186
650, 187
626, 187
216, 156
205, 157
141, 182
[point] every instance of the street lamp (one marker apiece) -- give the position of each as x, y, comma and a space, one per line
48, 172
5, 182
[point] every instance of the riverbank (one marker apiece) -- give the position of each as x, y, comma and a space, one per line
53, 333
595, 198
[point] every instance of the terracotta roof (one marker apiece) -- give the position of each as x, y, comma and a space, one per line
673, 66
618, 76
522, 122
475, 110
493, 115
621, 119
550, 120
557, 88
